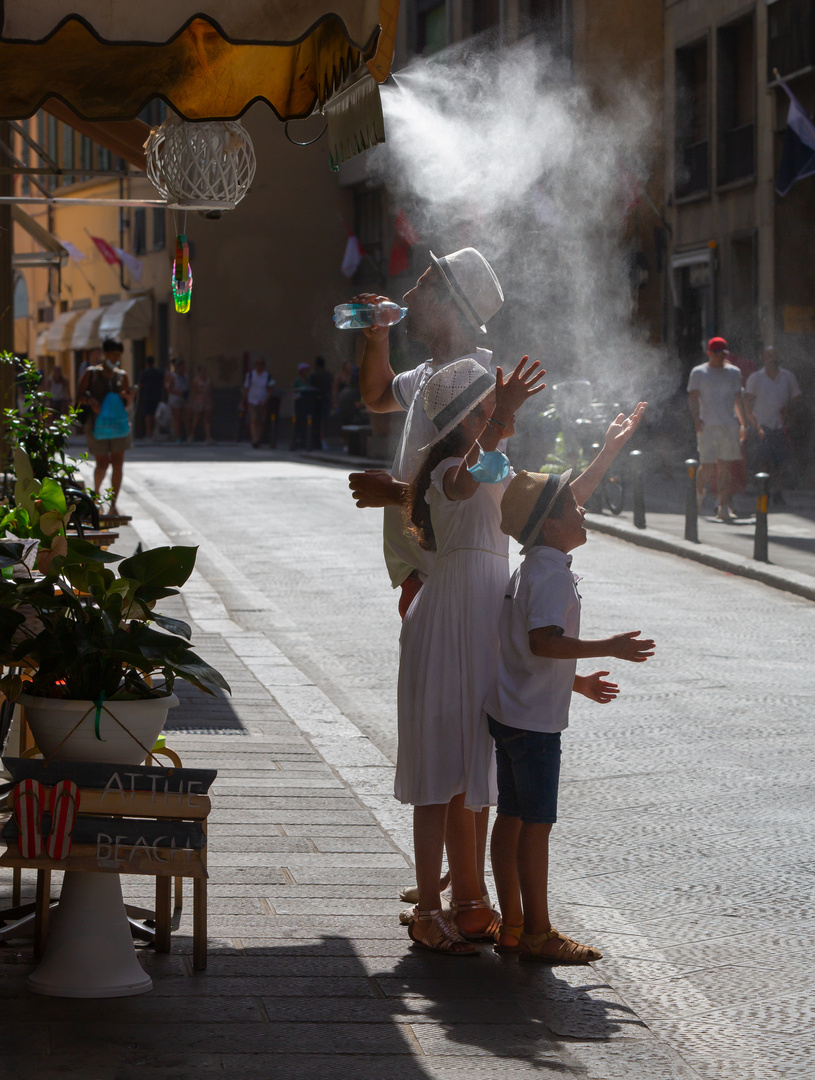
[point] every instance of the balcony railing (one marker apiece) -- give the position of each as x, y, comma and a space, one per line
737, 154
692, 170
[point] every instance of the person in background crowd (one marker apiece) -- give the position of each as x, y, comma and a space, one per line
342, 380
177, 385
717, 408
151, 384
322, 381
306, 403
201, 404
770, 392
57, 386
99, 381
257, 389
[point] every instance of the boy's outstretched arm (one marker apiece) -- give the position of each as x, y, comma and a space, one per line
550, 641
595, 688
620, 430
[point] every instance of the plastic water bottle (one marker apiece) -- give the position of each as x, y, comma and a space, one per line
357, 316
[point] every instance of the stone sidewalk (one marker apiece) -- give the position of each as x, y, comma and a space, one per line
309, 972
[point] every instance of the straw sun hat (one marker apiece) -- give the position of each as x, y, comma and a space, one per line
527, 503
473, 285
452, 393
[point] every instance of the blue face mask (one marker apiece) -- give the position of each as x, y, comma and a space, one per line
491, 468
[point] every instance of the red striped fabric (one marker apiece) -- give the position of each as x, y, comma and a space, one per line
63, 804
29, 799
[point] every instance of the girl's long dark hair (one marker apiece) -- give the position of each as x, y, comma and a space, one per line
417, 509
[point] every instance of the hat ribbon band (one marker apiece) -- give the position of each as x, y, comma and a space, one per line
459, 294
540, 511
462, 401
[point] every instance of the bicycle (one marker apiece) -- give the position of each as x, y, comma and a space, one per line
580, 425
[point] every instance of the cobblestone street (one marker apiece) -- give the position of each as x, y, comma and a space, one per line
683, 850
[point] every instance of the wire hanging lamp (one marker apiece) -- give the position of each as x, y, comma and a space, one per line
207, 165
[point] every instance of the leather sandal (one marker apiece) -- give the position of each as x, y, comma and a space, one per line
444, 937
489, 931
505, 930
568, 951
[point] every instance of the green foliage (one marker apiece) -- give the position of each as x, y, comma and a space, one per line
36, 429
82, 627
565, 456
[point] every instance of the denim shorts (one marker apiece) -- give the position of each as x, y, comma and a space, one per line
528, 772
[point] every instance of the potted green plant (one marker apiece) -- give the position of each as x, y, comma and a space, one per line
102, 660
36, 428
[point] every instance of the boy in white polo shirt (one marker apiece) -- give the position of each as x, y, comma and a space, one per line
529, 706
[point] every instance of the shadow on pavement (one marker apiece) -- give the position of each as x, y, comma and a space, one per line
197, 713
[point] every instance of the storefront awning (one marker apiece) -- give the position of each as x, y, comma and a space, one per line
40, 347
106, 59
86, 329
53, 253
130, 319
60, 332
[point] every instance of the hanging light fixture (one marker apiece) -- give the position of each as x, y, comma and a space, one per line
207, 165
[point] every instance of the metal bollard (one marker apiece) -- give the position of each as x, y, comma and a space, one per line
691, 512
638, 489
594, 503
762, 499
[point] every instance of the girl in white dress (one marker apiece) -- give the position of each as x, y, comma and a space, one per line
449, 641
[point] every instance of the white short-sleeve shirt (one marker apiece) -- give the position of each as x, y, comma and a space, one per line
717, 388
257, 384
772, 395
534, 692
402, 554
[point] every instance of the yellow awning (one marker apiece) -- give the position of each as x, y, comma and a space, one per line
106, 59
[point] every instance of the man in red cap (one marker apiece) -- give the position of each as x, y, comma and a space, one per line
719, 417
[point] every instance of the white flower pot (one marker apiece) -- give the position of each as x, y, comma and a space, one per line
89, 952
53, 720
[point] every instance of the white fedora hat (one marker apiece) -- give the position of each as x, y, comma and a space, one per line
452, 393
473, 283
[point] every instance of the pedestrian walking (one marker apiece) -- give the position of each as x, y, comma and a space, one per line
151, 385
528, 705
177, 385
717, 408
322, 382
104, 391
57, 386
769, 395
448, 642
257, 389
201, 404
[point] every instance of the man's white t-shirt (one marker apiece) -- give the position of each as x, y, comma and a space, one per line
402, 554
257, 383
772, 395
717, 388
534, 692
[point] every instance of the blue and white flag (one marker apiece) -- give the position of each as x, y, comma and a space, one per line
798, 153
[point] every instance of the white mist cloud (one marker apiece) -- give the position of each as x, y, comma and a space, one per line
505, 151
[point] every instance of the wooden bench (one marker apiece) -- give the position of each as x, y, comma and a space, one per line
132, 819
